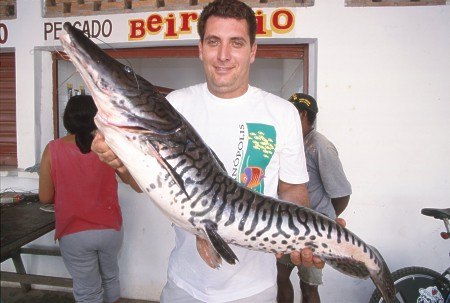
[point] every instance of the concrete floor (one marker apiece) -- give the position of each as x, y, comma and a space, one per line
16, 295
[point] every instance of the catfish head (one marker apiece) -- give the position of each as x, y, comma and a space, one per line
123, 98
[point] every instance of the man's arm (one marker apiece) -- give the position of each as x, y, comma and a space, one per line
106, 155
340, 204
298, 194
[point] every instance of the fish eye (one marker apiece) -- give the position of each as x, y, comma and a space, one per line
128, 69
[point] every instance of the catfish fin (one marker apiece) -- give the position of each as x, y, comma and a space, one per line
218, 161
348, 266
219, 245
215, 258
175, 176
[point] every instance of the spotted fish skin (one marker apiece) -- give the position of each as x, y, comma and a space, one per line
185, 179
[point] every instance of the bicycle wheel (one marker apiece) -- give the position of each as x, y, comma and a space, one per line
417, 285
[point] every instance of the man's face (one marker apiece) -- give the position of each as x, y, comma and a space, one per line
227, 55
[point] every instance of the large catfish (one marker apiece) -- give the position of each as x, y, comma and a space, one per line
182, 175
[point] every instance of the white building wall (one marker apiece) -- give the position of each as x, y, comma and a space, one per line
383, 91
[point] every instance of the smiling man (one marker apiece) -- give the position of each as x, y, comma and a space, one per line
227, 53
220, 110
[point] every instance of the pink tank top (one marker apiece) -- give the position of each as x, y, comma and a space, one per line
85, 191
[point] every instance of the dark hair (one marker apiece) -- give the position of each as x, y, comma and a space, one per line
311, 116
228, 9
78, 119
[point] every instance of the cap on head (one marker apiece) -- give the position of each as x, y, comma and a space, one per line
304, 102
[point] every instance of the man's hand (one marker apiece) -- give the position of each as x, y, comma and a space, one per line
306, 258
106, 155
341, 222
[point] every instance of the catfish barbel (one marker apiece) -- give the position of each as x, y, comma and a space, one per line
186, 180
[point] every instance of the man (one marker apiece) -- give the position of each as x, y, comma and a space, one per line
250, 131
329, 192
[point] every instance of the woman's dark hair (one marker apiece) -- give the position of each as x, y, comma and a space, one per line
78, 119
228, 9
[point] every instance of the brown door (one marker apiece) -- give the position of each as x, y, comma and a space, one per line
8, 141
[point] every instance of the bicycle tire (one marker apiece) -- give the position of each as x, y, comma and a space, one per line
411, 284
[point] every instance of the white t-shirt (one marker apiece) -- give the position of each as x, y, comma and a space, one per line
258, 138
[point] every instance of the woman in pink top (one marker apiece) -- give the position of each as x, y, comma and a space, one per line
87, 212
